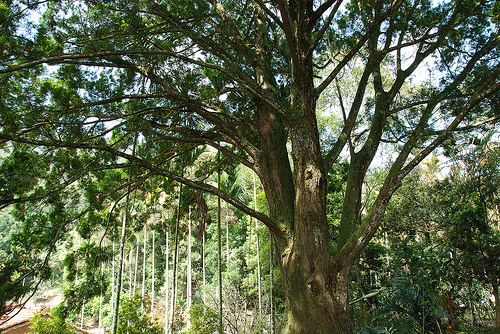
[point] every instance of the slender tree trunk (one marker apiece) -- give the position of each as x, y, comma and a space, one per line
113, 269
82, 314
450, 309
100, 307
120, 268
166, 281
153, 274
174, 269
203, 267
227, 240
257, 250
143, 288
219, 247
472, 304
189, 286
136, 263
497, 305
271, 282
130, 271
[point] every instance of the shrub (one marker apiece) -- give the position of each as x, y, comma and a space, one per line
51, 324
204, 320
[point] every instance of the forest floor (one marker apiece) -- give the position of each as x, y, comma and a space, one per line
41, 301
38, 303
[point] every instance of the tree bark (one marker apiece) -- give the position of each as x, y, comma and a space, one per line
219, 248
315, 288
257, 248
174, 269
131, 271
166, 280
271, 282
497, 305
203, 267
136, 265
152, 273
143, 288
99, 326
189, 281
120, 268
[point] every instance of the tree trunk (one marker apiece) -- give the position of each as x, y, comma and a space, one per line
315, 286
153, 273
497, 305
113, 261
82, 314
204, 274
100, 330
271, 282
313, 278
257, 246
143, 288
189, 286
174, 268
450, 306
136, 263
131, 271
120, 268
219, 249
316, 295
166, 280
227, 239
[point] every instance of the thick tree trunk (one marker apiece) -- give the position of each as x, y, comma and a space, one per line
315, 292
315, 286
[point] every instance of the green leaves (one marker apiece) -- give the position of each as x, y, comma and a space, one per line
12, 183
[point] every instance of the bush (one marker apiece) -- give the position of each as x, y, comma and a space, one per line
131, 321
51, 324
204, 320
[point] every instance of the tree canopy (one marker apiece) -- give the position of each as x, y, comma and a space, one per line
292, 90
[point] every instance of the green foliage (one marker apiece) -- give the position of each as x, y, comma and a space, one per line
131, 321
204, 320
50, 324
441, 248
83, 82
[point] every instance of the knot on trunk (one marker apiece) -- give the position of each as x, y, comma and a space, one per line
314, 286
312, 177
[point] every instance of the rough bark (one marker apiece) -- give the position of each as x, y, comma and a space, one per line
315, 288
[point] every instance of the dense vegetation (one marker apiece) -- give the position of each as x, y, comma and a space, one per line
252, 166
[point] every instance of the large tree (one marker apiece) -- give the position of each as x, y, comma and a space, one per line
82, 79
